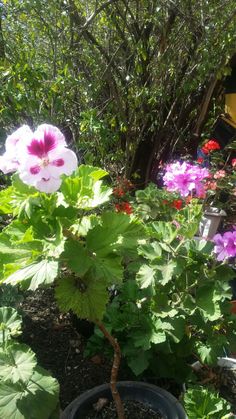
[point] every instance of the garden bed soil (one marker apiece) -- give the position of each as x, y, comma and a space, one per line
133, 410
59, 348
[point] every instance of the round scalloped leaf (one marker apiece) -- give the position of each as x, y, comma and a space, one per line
17, 363
86, 297
10, 323
39, 397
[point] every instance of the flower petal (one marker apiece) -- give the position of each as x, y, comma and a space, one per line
62, 161
48, 131
7, 164
22, 135
48, 185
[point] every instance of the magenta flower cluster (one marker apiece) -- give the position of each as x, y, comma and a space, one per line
185, 178
225, 245
39, 157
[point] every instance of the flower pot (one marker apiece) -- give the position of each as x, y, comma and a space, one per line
155, 397
210, 222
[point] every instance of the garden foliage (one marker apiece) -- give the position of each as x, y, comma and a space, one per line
203, 403
24, 386
59, 237
174, 306
124, 79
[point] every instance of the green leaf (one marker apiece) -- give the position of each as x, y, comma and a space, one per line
140, 362
203, 403
17, 362
166, 272
116, 233
206, 301
150, 251
211, 349
77, 257
176, 329
108, 268
84, 224
151, 333
202, 245
86, 297
10, 323
10, 253
39, 397
146, 276
6, 206
84, 189
81, 260
20, 187
224, 273
40, 273
163, 231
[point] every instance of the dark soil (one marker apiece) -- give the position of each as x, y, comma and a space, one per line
133, 410
59, 347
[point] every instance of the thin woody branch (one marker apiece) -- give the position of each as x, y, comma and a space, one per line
115, 369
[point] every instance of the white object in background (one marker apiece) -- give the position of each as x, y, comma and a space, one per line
226, 362
210, 222
223, 362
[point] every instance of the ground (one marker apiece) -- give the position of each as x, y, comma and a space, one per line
59, 348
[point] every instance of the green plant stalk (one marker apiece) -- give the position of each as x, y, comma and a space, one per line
114, 370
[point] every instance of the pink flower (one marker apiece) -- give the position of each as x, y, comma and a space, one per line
211, 185
219, 174
9, 161
45, 159
225, 245
233, 162
185, 178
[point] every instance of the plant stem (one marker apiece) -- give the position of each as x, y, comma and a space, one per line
114, 370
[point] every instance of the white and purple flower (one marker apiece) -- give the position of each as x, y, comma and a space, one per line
225, 245
9, 161
40, 158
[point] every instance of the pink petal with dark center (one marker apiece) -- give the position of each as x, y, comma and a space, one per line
58, 162
40, 148
35, 170
50, 141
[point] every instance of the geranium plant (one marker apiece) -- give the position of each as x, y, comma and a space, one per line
62, 228
174, 307
220, 189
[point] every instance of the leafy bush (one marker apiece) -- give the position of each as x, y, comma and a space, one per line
205, 403
24, 386
174, 306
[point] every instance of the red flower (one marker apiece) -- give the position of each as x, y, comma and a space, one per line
200, 160
211, 145
165, 202
177, 204
233, 162
124, 207
188, 199
118, 192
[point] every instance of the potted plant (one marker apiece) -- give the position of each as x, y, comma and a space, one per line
219, 187
63, 231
